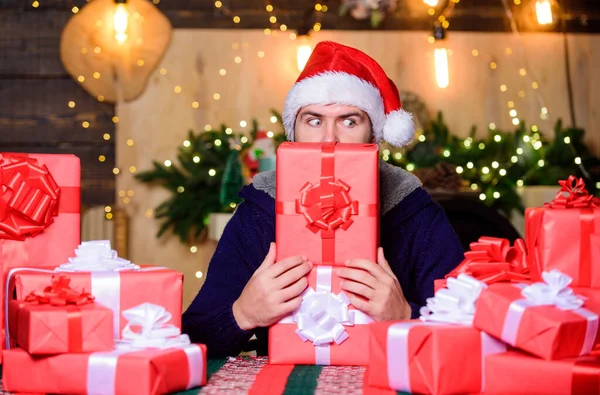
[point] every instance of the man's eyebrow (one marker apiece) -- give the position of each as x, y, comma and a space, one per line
351, 114
311, 113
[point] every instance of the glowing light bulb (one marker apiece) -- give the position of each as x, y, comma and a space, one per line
543, 12
520, 183
302, 54
120, 21
567, 140
459, 169
442, 76
470, 165
482, 196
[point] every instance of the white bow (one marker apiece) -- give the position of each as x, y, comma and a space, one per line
96, 256
321, 317
554, 291
456, 304
154, 332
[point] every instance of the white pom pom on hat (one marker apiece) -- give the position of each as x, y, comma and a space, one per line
337, 74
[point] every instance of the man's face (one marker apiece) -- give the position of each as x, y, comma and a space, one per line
328, 123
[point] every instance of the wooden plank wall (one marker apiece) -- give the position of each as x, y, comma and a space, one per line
35, 89
35, 92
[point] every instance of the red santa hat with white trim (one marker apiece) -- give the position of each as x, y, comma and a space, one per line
337, 74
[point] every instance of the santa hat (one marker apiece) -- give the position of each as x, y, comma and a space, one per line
337, 74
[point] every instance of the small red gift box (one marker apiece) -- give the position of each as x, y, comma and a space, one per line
491, 260
151, 371
39, 212
546, 330
426, 358
118, 290
327, 209
60, 320
565, 235
516, 373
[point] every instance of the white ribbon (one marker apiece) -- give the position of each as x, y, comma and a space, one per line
96, 256
456, 304
154, 331
554, 291
154, 334
321, 317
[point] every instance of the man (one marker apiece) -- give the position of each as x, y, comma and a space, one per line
342, 95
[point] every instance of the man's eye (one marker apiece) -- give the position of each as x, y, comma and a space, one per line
314, 122
349, 123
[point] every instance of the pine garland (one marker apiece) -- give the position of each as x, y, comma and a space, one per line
205, 179
496, 165
208, 172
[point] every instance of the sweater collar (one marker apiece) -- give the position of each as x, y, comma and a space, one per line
395, 185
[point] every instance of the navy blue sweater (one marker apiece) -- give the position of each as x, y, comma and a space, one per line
418, 241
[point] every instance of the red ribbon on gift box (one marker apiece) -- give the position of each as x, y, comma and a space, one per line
28, 197
61, 294
573, 194
493, 260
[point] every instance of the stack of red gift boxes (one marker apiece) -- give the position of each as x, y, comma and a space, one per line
84, 320
508, 320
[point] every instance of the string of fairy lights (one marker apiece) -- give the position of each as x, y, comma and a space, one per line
512, 95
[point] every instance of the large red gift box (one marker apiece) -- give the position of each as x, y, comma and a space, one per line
327, 209
517, 373
565, 235
145, 372
117, 290
543, 330
39, 212
429, 358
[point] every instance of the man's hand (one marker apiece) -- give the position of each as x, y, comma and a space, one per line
272, 292
374, 289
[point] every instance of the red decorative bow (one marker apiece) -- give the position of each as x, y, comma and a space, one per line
28, 197
493, 260
327, 205
573, 194
59, 294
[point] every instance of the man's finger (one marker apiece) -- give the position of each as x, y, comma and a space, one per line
367, 265
358, 289
290, 305
269, 259
383, 262
293, 290
284, 265
360, 303
358, 275
294, 274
